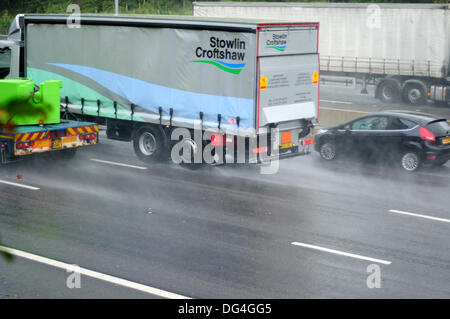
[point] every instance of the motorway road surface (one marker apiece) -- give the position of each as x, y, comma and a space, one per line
309, 231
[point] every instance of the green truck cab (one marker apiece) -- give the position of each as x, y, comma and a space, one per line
30, 121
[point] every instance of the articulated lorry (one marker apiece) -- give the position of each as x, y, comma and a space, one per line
402, 48
143, 77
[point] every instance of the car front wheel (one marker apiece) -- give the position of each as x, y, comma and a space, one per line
328, 151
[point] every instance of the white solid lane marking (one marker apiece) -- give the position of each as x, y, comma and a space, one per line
419, 215
381, 261
19, 185
93, 274
117, 164
341, 102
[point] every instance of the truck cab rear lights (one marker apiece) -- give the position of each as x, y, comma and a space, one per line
427, 135
87, 137
22, 146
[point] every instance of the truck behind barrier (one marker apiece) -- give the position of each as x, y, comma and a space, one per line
403, 48
143, 77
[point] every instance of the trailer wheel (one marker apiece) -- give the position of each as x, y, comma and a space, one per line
389, 92
414, 94
148, 145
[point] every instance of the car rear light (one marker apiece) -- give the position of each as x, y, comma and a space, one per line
22, 146
427, 135
431, 157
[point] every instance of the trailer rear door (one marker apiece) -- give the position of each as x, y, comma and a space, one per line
288, 66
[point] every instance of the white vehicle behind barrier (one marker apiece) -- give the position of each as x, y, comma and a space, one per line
403, 48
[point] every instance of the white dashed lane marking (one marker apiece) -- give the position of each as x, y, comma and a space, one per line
19, 185
93, 274
338, 252
118, 164
420, 215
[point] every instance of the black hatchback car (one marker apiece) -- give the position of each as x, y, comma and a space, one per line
409, 138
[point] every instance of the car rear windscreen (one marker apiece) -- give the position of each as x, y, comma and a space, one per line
439, 128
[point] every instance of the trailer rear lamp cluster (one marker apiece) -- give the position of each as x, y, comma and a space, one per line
217, 140
222, 139
22, 146
88, 137
260, 150
308, 142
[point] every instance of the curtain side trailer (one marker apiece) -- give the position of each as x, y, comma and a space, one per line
146, 76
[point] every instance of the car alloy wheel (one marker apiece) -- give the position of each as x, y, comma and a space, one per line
328, 151
410, 161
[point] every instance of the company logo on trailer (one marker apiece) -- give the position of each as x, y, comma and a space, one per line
219, 50
278, 42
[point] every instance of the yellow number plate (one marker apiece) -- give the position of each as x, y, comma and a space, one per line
70, 139
446, 140
56, 144
286, 145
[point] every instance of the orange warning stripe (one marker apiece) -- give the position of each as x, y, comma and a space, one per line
30, 136
41, 135
71, 131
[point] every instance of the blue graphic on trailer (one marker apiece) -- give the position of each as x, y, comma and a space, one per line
185, 104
